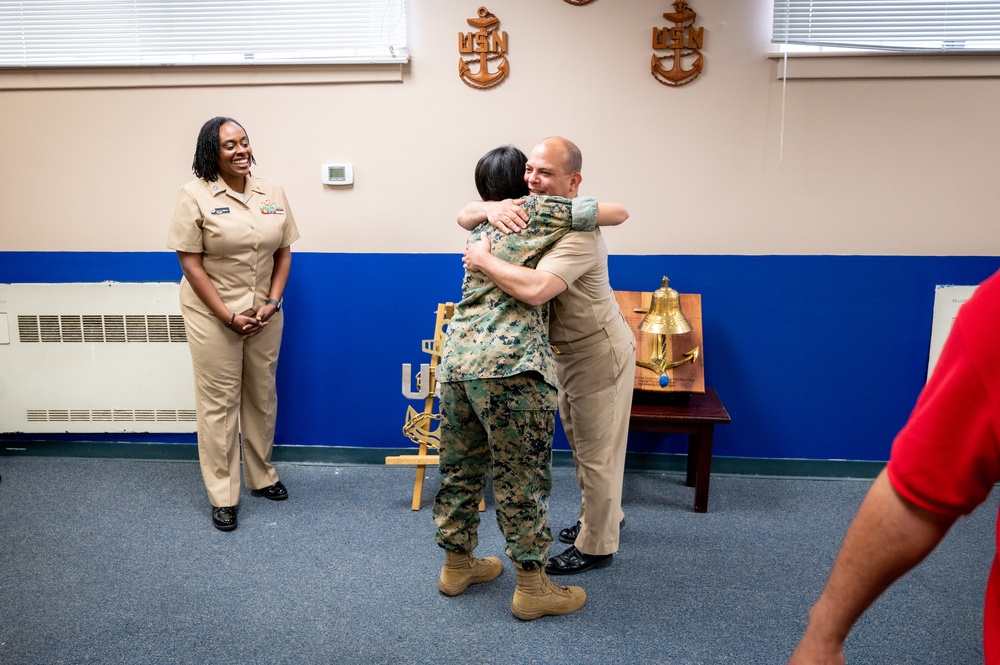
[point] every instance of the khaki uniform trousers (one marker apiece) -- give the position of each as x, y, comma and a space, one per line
595, 399
235, 395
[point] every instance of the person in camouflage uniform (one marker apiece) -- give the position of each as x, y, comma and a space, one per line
497, 388
595, 350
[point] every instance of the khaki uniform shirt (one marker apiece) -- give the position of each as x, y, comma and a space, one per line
237, 239
588, 305
492, 334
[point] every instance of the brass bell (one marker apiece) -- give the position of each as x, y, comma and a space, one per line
665, 316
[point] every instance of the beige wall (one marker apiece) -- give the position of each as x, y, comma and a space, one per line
735, 163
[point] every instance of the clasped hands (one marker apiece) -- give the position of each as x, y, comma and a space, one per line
250, 323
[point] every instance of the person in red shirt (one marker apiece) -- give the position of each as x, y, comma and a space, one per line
943, 465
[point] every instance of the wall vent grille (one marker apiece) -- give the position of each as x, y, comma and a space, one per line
111, 415
101, 328
94, 357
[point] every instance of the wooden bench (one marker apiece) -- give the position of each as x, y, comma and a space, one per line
661, 412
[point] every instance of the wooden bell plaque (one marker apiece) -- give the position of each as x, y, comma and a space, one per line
688, 377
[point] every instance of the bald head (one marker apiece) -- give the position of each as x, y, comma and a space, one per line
572, 158
553, 168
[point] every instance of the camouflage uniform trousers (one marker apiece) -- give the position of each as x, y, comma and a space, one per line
505, 425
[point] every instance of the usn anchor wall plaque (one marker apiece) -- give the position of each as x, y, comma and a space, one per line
684, 62
488, 44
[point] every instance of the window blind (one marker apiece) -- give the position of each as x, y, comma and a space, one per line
48, 33
944, 25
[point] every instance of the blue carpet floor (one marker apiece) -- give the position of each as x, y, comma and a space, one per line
116, 561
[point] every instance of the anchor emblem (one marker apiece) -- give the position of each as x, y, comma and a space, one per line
659, 364
489, 44
684, 42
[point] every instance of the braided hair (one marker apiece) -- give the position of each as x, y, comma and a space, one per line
207, 149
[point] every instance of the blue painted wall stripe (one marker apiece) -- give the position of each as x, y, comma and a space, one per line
816, 357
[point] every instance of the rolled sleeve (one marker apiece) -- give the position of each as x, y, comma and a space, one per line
584, 213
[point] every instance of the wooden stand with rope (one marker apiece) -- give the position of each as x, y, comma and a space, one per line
419, 427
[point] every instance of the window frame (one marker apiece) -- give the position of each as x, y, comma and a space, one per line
794, 61
366, 46
900, 26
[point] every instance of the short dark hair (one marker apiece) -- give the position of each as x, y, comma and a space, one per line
500, 174
206, 150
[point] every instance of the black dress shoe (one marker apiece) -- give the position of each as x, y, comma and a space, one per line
224, 518
569, 534
275, 492
573, 561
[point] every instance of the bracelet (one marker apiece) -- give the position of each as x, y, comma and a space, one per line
233, 318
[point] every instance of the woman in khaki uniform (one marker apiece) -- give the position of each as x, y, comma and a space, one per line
233, 233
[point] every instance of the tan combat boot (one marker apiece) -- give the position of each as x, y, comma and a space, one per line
536, 596
461, 569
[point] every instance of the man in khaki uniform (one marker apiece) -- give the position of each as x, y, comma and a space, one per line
595, 354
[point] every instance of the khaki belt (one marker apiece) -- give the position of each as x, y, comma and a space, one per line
560, 348
611, 332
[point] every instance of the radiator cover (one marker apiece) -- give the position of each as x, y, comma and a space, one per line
97, 357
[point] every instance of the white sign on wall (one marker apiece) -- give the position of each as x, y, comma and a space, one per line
947, 301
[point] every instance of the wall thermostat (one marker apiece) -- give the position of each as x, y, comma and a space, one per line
338, 174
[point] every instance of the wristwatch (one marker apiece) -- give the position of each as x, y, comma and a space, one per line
276, 303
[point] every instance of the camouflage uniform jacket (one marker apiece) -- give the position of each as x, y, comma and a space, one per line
493, 334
